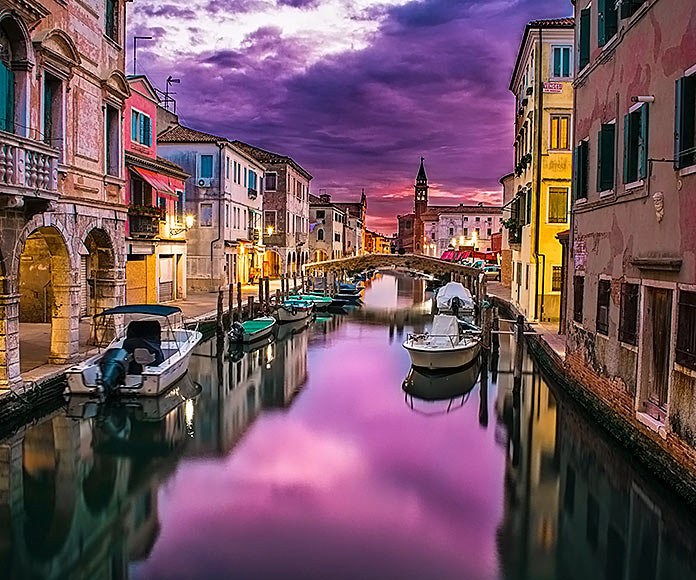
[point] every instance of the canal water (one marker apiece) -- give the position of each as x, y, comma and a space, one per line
307, 459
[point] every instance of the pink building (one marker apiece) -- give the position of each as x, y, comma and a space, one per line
156, 229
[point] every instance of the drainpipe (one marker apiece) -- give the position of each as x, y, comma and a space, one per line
221, 195
539, 305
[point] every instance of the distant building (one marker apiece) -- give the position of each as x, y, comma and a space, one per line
156, 230
542, 82
377, 243
285, 211
354, 230
432, 230
326, 228
225, 245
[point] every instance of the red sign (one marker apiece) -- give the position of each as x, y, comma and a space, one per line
553, 87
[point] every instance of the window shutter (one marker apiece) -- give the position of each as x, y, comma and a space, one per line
643, 143
557, 52
627, 124
601, 21
584, 37
626, 8
146, 136
566, 62
605, 169
600, 153
134, 126
584, 168
576, 173
611, 24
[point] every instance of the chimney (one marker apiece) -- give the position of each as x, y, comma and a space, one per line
325, 197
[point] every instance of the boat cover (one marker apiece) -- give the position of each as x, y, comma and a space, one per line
150, 309
449, 291
445, 325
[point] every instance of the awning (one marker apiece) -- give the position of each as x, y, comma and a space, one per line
448, 255
157, 181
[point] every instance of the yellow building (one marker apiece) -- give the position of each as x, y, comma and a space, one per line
542, 83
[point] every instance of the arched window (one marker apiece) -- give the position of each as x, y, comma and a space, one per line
320, 234
7, 85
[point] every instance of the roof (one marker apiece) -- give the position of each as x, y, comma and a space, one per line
181, 134
159, 164
153, 309
568, 22
434, 211
270, 158
422, 177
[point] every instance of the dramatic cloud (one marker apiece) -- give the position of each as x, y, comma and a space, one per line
354, 90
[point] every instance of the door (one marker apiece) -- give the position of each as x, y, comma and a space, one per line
658, 319
166, 278
84, 286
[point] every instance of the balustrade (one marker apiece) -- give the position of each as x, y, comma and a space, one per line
27, 165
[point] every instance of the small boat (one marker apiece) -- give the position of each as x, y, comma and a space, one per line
145, 360
252, 330
453, 298
350, 288
293, 309
447, 346
441, 385
292, 328
320, 302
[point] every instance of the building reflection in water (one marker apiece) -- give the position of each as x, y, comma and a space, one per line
575, 505
78, 491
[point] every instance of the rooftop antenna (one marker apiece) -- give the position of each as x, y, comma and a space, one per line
135, 50
168, 95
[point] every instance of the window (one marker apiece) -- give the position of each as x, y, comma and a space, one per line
478, 219
526, 280
636, 144
111, 20
556, 278
234, 171
252, 179
489, 220
451, 231
578, 297
606, 157
685, 123
206, 168
584, 59
206, 215
269, 220
320, 214
179, 206
630, 7
271, 181
245, 177
561, 62
227, 167
337, 237
603, 299
113, 141
320, 234
628, 313
686, 330
227, 215
608, 20
53, 111
558, 205
140, 192
162, 203
141, 128
489, 232
466, 232
478, 231
582, 159
466, 219
560, 132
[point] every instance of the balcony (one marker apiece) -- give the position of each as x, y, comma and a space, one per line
254, 235
143, 226
28, 168
253, 193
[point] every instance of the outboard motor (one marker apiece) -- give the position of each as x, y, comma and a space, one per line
455, 305
236, 332
113, 366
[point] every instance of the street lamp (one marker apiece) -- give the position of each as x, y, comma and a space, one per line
188, 224
270, 230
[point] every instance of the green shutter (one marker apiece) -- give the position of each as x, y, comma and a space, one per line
566, 61
148, 132
643, 143
600, 152
134, 125
627, 124
611, 24
557, 59
685, 122
678, 108
6, 99
601, 19
605, 155
576, 173
584, 37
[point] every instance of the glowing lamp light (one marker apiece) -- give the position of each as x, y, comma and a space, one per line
188, 220
461, 240
270, 230
454, 241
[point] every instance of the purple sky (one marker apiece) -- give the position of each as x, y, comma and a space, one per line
355, 90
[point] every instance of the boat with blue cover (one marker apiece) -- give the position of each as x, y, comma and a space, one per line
252, 330
294, 309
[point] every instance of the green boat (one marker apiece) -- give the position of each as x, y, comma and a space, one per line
252, 330
320, 302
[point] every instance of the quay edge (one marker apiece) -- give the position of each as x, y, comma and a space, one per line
649, 449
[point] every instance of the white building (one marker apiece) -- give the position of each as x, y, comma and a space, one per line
464, 227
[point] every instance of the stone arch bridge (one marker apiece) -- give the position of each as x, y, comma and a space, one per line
470, 277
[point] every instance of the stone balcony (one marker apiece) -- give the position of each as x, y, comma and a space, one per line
143, 226
28, 169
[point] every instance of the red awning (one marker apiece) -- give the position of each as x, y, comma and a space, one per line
158, 182
448, 255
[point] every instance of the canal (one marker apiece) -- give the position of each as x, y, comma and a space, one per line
307, 459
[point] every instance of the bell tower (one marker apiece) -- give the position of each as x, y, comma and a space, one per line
421, 204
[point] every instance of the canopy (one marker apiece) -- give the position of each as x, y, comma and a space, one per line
149, 309
445, 325
449, 291
455, 256
157, 181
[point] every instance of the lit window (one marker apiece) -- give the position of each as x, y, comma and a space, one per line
560, 132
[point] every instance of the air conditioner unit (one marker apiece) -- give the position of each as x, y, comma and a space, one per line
203, 181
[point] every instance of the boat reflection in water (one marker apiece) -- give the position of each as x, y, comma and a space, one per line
453, 387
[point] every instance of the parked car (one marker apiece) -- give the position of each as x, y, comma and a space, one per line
492, 272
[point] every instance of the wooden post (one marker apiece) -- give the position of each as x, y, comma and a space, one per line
251, 307
495, 327
267, 291
483, 393
326, 283
260, 291
220, 328
230, 304
239, 301
519, 349
294, 282
485, 327
277, 293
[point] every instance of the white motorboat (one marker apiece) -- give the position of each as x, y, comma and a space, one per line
453, 298
446, 346
294, 309
252, 330
144, 360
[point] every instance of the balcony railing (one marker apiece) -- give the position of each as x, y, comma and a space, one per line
28, 167
143, 226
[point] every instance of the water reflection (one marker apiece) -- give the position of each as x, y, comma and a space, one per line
299, 459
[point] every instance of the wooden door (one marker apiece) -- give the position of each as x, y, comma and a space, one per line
659, 319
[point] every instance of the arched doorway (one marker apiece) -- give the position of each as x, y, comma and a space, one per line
271, 264
98, 289
48, 300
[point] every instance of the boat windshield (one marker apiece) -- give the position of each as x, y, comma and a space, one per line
121, 325
444, 325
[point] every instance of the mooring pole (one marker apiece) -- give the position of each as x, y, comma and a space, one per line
251, 307
239, 301
220, 308
519, 351
230, 305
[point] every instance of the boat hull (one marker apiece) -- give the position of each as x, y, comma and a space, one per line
285, 315
442, 358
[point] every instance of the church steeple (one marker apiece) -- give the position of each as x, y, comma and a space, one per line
421, 189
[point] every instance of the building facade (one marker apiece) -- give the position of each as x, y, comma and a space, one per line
631, 286
62, 194
285, 211
156, 229
508, 183
327, 223
224, 196
354, 231
542, 82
